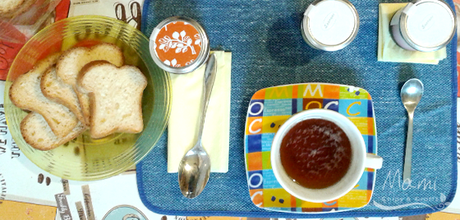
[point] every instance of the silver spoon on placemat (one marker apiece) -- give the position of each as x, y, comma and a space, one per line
411, 93
195, 166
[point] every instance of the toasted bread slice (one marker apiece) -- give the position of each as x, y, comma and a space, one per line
12, 8
25, 93
9, 6
73, 60
116, 97
38, 134
55, 89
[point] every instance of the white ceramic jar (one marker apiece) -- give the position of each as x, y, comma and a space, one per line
423, 25
330, 25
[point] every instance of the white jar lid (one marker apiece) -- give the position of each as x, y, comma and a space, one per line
427, 25
330, 24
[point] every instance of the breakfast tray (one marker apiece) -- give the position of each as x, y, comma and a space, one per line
268, 50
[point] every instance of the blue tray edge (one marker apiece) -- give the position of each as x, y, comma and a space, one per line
353, 213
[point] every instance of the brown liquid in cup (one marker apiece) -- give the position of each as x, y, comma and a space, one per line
316, 153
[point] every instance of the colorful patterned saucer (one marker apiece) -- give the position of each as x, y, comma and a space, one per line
269, 108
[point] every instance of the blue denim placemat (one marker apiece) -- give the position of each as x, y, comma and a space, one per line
268, 50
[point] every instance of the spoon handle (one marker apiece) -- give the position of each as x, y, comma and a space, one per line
408, 154
209, 78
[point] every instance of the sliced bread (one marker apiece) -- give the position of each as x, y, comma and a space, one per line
10, 5
12, 8
25, 93
7, 7
73, 60
116, 97
38, 134
55, 89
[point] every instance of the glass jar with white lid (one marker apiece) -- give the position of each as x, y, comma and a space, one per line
330, 25
423, 25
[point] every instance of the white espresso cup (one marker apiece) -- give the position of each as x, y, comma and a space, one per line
360, 159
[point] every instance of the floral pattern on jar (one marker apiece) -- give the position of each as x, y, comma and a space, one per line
178, 44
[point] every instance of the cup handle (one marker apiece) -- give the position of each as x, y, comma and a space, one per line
373, 161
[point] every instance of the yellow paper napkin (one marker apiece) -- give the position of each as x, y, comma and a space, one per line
389, 51
187, 91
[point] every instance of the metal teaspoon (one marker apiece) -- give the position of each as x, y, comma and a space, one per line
411, 93
195, 166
